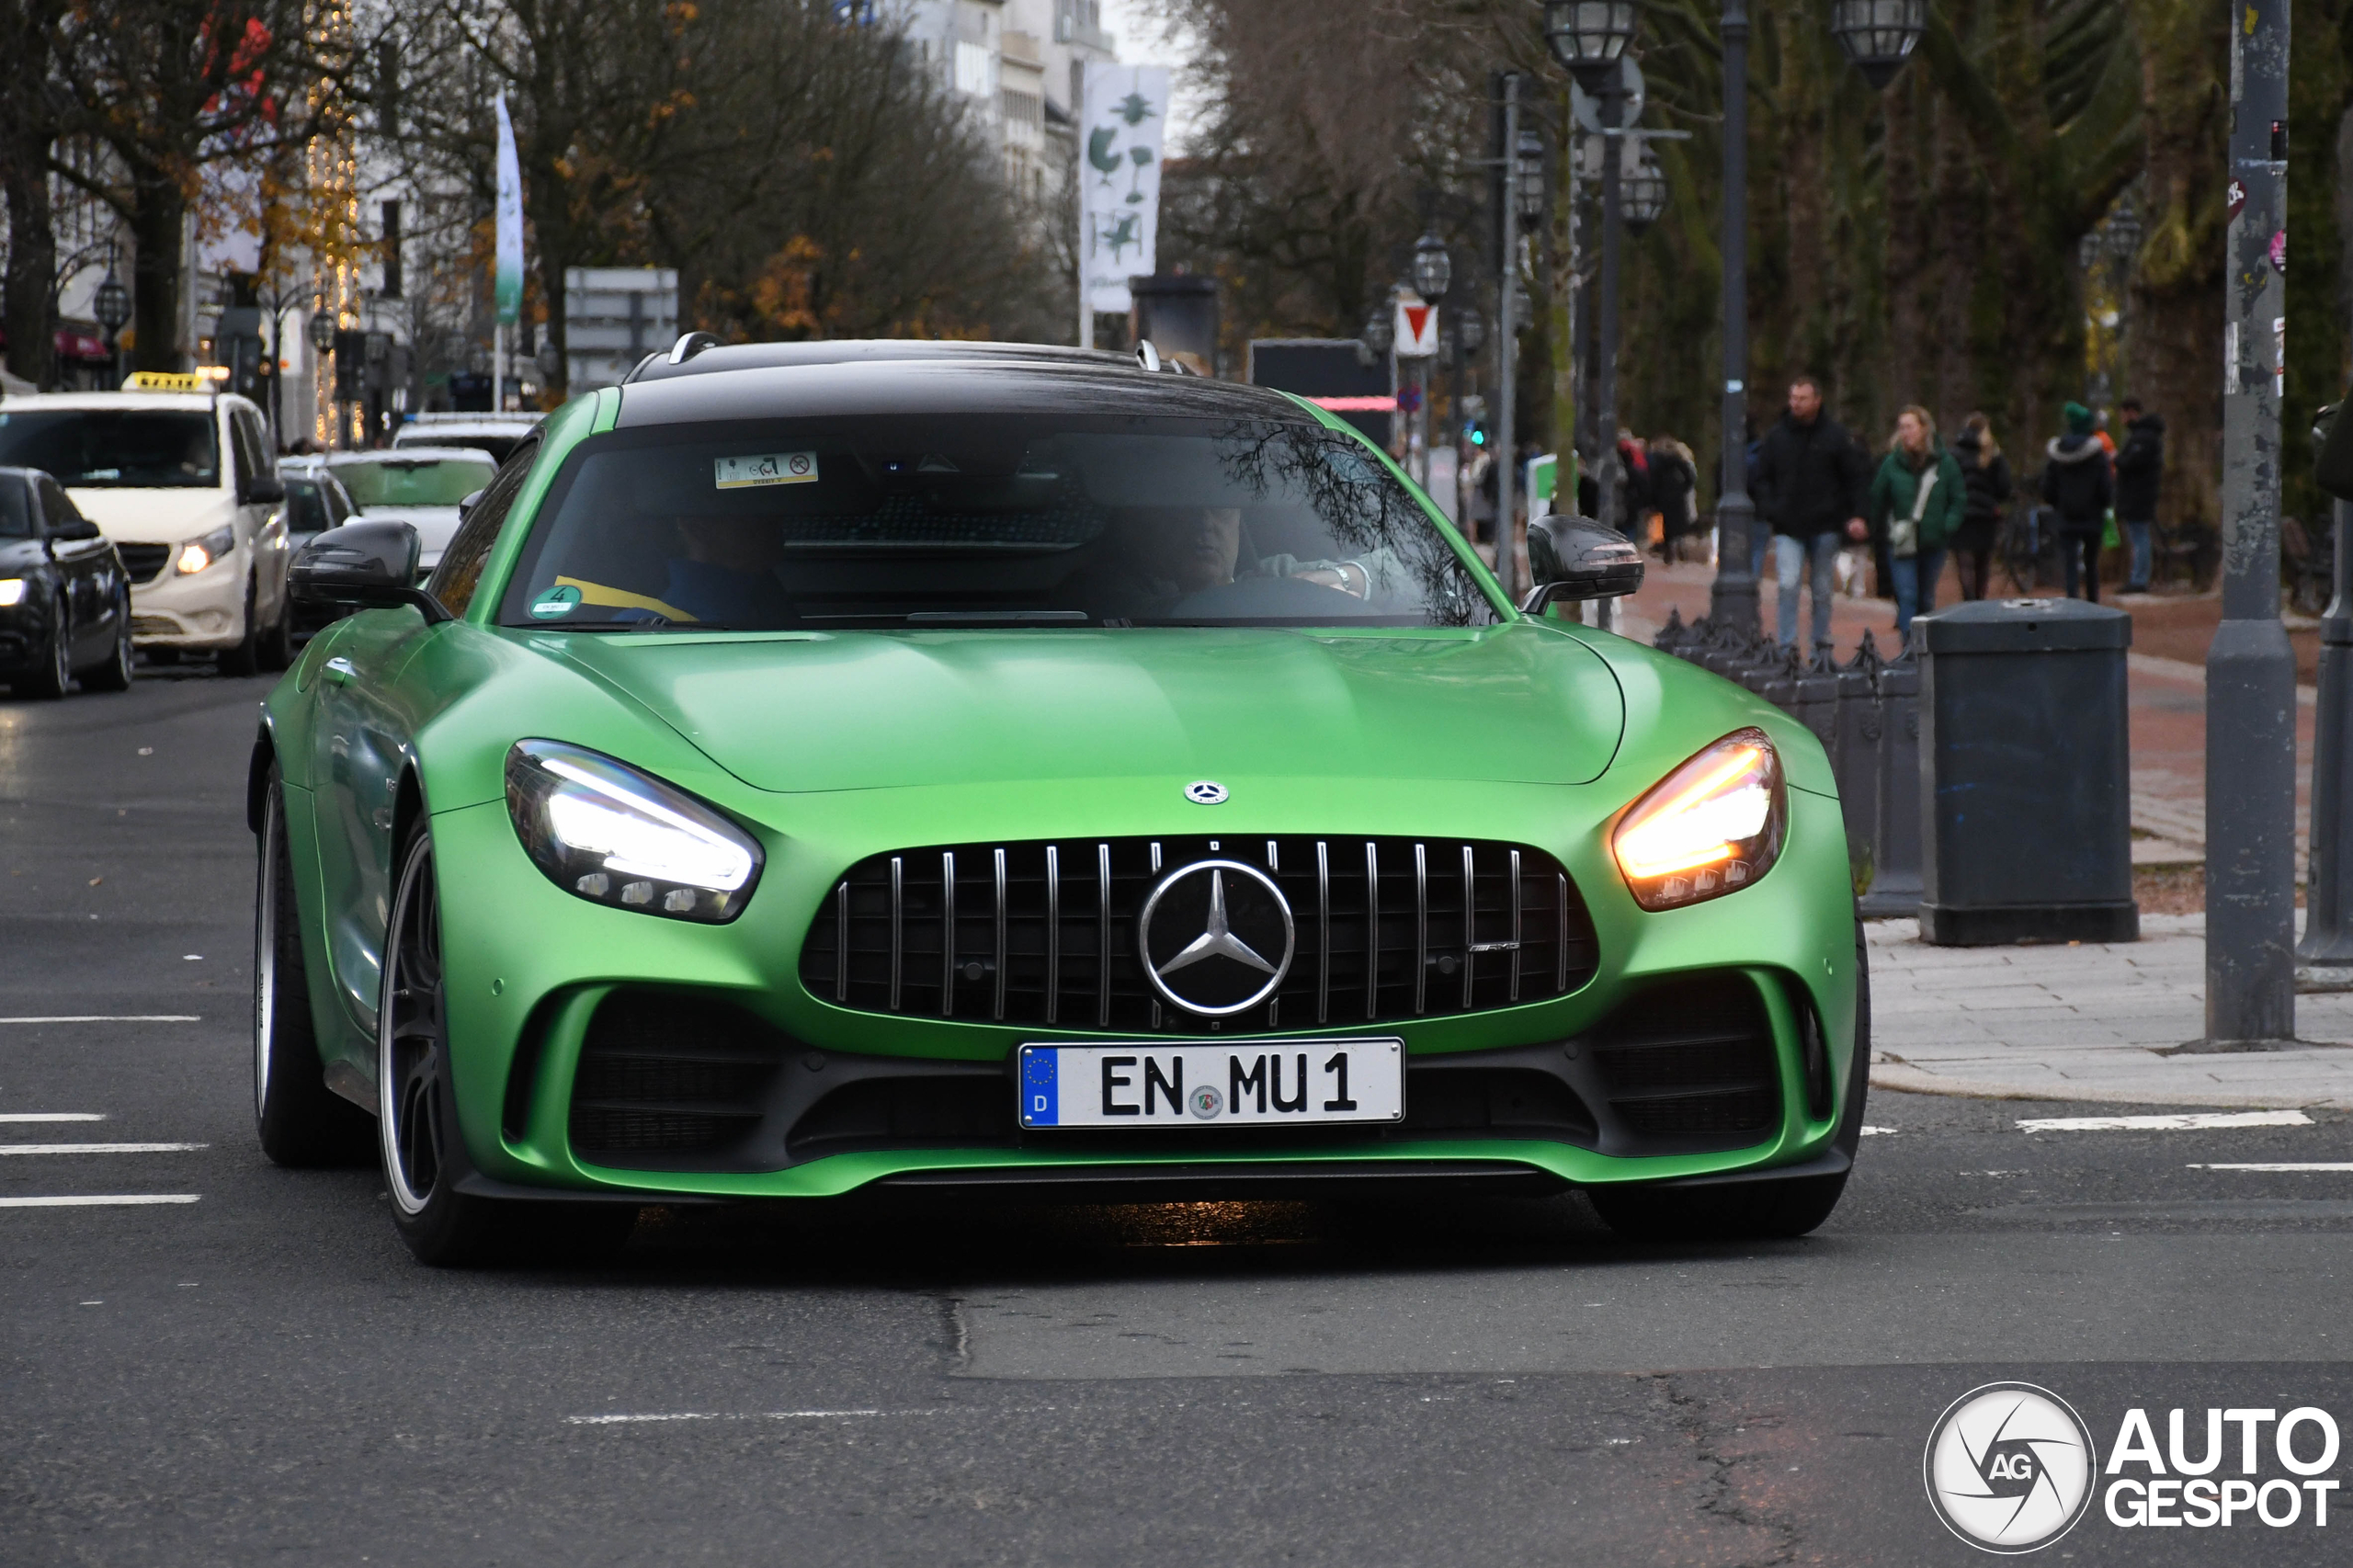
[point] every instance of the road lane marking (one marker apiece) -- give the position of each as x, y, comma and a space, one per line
99, 1201
50, 1115
108, 1018
2181, 1121
2336, 1166
1869, 1132
793, 1414
99, 1148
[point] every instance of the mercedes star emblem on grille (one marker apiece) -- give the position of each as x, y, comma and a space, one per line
1206, 792
1217, 937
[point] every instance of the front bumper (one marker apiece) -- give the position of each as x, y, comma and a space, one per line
530, 966
25, 631
201, 611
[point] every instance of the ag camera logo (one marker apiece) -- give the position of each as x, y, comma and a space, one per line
2009, 1468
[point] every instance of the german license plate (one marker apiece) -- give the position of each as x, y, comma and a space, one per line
1155, 1084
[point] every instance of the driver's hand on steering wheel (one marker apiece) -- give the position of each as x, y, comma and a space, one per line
1349, 577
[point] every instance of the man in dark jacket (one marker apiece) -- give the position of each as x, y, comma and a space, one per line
1811, 482
2138, 468
2075, 482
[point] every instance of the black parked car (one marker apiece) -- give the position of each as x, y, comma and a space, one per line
64, 598
315, 501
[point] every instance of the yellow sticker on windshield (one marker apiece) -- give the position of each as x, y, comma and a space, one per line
776, 468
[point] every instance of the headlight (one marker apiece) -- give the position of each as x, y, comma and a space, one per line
614, 835
1710, 827
12, 591
199, 553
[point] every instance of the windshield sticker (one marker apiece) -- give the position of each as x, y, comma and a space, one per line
775, 468
556, 601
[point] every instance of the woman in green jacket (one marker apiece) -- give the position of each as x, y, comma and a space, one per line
1918, 502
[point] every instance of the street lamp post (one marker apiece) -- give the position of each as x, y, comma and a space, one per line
113, 308
2250, 670
1433, 272
1732, 601
322, 331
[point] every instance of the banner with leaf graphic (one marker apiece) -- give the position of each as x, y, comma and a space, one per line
1123, 110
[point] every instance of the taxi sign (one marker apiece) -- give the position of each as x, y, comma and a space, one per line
165, 382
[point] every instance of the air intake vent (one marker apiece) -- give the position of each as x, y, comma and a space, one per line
670, 1082
1689, 1064
1044, 933
145, 563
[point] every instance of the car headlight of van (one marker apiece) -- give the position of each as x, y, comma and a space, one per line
199, 553
1710, 827
12, 591
605, 832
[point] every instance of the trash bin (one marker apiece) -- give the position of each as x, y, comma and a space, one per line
2025, 771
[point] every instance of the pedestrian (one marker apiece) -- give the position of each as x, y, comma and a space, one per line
1918, 501
2139, 467
1811, 484
2076, 483
1633, 486
1675, 494
1985, 474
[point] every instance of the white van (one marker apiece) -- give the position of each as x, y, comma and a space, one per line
184, 480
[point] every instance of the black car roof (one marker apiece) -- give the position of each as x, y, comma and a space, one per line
701, 361
991, 384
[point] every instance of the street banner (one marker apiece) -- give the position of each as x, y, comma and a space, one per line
509, 287
1124, 111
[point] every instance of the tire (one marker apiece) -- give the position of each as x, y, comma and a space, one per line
300, 1121
276, 649
122, 662
1757, 1210
54, 678
244, 659
419, 1142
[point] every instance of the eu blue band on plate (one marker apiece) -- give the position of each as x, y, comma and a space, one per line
1040, 1099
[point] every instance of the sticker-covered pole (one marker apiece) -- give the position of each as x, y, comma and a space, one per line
1732, 599
2250, 671
1506, 342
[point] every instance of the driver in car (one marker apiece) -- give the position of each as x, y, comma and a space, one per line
1187, 550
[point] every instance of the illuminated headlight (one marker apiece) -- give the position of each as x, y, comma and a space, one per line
199, 553
12, 591
611, 835
1710, 827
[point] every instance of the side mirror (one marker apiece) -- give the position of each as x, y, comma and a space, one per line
260, 489
1574, 559
370, 566
80, 527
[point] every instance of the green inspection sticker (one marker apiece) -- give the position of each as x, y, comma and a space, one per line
558, 600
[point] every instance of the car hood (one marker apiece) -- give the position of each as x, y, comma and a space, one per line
155, 516
859, 710
435, 526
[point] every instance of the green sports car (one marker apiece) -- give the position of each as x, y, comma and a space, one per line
859, 767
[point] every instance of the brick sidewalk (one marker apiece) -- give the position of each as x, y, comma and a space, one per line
2083, 1023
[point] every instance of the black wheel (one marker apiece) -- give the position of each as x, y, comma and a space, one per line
244, 659
300, 1120
122, 662
54, 675
1760, 1209
417, 1132
275, 651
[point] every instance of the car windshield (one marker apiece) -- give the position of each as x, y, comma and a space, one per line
986, 520
413, 482
15, 511
124, 448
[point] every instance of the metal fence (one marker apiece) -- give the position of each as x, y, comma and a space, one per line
1866, 714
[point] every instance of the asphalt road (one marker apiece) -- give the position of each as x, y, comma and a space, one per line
261, 1375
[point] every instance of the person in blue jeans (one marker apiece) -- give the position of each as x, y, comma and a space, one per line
1918, 501
1810, 484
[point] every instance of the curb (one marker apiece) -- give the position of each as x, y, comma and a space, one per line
1912, 1080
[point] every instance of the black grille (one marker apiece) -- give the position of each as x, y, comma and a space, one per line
898, 1112
1045, 933
670, 1075
1691, 1058
143, 561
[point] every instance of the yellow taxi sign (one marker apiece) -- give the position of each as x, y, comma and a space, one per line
165, 382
